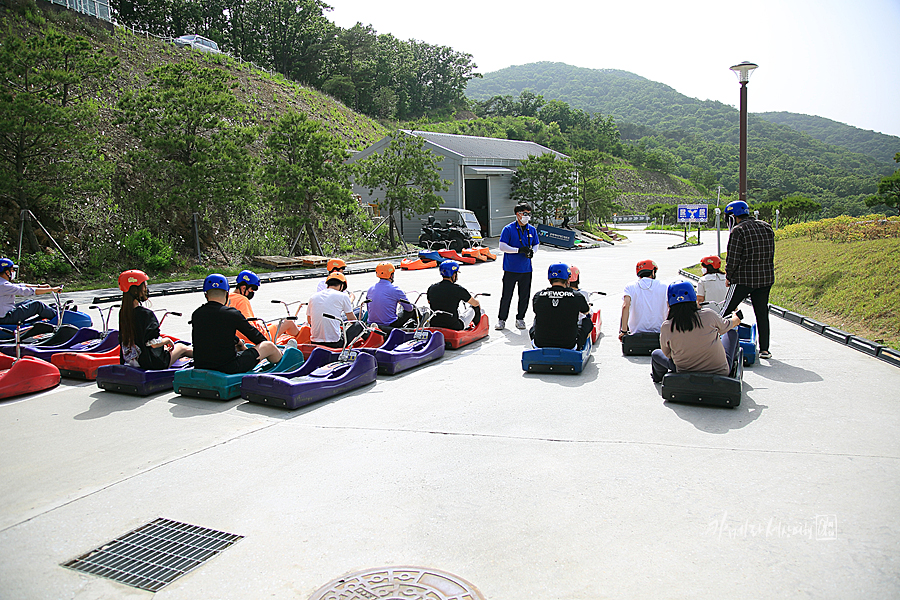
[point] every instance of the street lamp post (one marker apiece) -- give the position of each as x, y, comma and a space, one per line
743, 72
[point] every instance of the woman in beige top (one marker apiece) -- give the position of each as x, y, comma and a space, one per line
693, 339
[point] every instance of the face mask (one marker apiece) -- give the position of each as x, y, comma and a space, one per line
12, 275
250, 295
525, 219
703, 270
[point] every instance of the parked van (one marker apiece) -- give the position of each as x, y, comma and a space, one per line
197, 42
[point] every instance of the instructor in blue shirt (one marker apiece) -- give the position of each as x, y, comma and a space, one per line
518, 241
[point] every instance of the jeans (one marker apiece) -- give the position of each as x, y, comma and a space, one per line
510, 280
660, 364
26, 310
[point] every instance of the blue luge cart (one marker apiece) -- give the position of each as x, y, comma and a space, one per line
556, 360
214, 385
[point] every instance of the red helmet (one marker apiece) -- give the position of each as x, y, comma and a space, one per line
384, 270
130, 278
574, 273
711, 261
335, 263
646, 265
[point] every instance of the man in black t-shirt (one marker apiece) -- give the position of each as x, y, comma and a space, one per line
446, 295
214, 326
557, 313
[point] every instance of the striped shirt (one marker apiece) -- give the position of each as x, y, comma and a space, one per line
751, 254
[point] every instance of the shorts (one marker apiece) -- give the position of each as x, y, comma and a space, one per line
243, 362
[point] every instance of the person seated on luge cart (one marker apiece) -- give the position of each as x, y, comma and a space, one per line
575, 284
333, 301
334, 265
216, 347
384, 297
644, 302
10, 311
140, 343
245, 288
711, 287
693, 339
557, 313
446, 296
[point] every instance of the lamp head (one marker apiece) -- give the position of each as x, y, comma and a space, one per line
744, 70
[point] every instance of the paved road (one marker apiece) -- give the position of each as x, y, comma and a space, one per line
527, 486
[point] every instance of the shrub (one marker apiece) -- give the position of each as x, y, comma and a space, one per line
844, 229
41, 265
152, 252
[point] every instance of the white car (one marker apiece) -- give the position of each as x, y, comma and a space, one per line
197, 42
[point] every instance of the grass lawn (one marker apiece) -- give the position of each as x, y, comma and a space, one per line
847, 285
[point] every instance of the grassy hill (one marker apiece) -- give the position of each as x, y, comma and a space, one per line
262, 97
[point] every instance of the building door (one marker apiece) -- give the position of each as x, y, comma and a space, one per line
477, 201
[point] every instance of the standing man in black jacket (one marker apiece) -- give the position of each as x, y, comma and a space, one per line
750, 268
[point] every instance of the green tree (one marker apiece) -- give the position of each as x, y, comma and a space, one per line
888, 190
793, 207
190, 155
597, 188
408, 174
547, 183
305, 170
48, 143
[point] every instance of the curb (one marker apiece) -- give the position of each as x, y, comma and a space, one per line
874, 349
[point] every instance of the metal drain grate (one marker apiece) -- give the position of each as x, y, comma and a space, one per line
409, 583
154, 555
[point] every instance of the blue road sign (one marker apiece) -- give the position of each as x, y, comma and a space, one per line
692, 213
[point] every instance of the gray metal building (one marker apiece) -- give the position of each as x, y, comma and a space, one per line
94, 8
480, 173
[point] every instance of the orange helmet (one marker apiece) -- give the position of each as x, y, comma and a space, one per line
574, 273
130, 278
335, 263
338, 276
646, 265
384, 270
711, 261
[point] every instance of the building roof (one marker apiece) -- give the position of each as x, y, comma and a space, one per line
470, 146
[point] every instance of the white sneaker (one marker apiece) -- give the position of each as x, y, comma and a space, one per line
500, 325
520, 323
291, 343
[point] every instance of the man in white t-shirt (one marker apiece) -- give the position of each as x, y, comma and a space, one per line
644, 303
326, 331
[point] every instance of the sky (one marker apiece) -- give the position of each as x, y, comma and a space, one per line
831, 58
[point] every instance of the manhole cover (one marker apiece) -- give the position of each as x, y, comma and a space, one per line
398, 583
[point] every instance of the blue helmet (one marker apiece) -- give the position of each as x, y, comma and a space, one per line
248, 277
681, 291
216, 282
7, 263
737, 208
558, 271
448, 268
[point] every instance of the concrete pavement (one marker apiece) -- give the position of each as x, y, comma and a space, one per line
527, 486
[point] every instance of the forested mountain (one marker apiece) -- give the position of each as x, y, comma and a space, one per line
699, 139
877, 145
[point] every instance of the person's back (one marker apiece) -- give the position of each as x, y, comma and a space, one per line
213, 336
699, 350
648, 305
445, 296
557, 312
327, 302
751, 254
384, 297
711, 288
